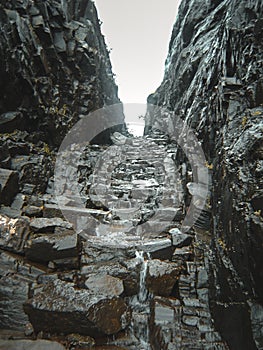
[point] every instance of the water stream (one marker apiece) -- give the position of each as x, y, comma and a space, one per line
141, 306
143, 292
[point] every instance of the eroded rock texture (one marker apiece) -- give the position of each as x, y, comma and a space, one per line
214, 82
55, 67
123, 274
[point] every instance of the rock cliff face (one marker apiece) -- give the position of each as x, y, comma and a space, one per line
121, 273
54, 66
214, 81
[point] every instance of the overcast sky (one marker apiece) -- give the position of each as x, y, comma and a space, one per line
138, 32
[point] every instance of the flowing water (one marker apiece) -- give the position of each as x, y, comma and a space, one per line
141, 306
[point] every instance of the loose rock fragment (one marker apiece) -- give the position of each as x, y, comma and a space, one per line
8, 186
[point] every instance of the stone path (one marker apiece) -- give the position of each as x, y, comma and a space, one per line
122, 274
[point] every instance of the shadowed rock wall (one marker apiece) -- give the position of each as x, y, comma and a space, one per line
214, 81
54, 66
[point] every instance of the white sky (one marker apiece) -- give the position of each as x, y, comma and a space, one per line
138, 32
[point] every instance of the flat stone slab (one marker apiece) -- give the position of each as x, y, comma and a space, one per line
54, 247
54, 208
121, 247
45, 225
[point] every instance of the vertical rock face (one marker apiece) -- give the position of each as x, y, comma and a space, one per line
54, 66
214, 82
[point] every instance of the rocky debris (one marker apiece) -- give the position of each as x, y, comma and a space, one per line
14, 292
130, 193
33, 161
52, 210
60, 308
202, 278
118, 267
119, 139
183, 254
159, 248
8, 186
105, 250
30, 345
112, 248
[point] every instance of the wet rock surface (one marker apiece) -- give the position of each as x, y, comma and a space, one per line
55, 53
60, 308
106, 281
61, 249
16, 277
8, 186
107, 264
213, 82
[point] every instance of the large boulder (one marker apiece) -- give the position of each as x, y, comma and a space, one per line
58, 307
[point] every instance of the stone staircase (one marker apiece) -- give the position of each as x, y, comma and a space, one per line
132, 205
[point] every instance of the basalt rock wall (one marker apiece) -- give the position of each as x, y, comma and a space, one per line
54, 67
214, 81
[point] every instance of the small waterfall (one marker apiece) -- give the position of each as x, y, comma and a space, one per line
141, 306
143, 292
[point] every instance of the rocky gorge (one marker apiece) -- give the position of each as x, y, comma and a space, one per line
93, 249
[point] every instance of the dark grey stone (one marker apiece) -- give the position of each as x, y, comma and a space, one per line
180, 239
8, 186
60, 308
41, 225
